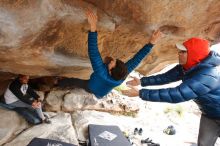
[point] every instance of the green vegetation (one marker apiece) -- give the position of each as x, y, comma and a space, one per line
177, 109
121, 87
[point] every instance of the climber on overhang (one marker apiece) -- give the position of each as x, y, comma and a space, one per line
110, 72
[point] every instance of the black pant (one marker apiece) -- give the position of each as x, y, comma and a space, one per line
73, 82
209, 131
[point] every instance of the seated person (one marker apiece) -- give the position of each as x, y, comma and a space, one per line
19, 94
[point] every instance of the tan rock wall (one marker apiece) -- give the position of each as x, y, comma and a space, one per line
49, 37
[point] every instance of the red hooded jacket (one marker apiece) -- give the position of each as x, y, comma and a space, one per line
197, 50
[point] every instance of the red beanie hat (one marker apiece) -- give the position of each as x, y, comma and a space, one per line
197, 50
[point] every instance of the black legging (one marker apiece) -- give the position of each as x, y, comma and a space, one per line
73, 82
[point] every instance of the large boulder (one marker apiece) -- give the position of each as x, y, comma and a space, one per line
49, 37
54, 100
11, 125
61, 129
79, 99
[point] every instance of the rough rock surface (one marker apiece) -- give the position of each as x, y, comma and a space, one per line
11, 124
58, 130
78, 99
49, 37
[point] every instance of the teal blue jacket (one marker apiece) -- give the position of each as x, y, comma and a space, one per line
100, 82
